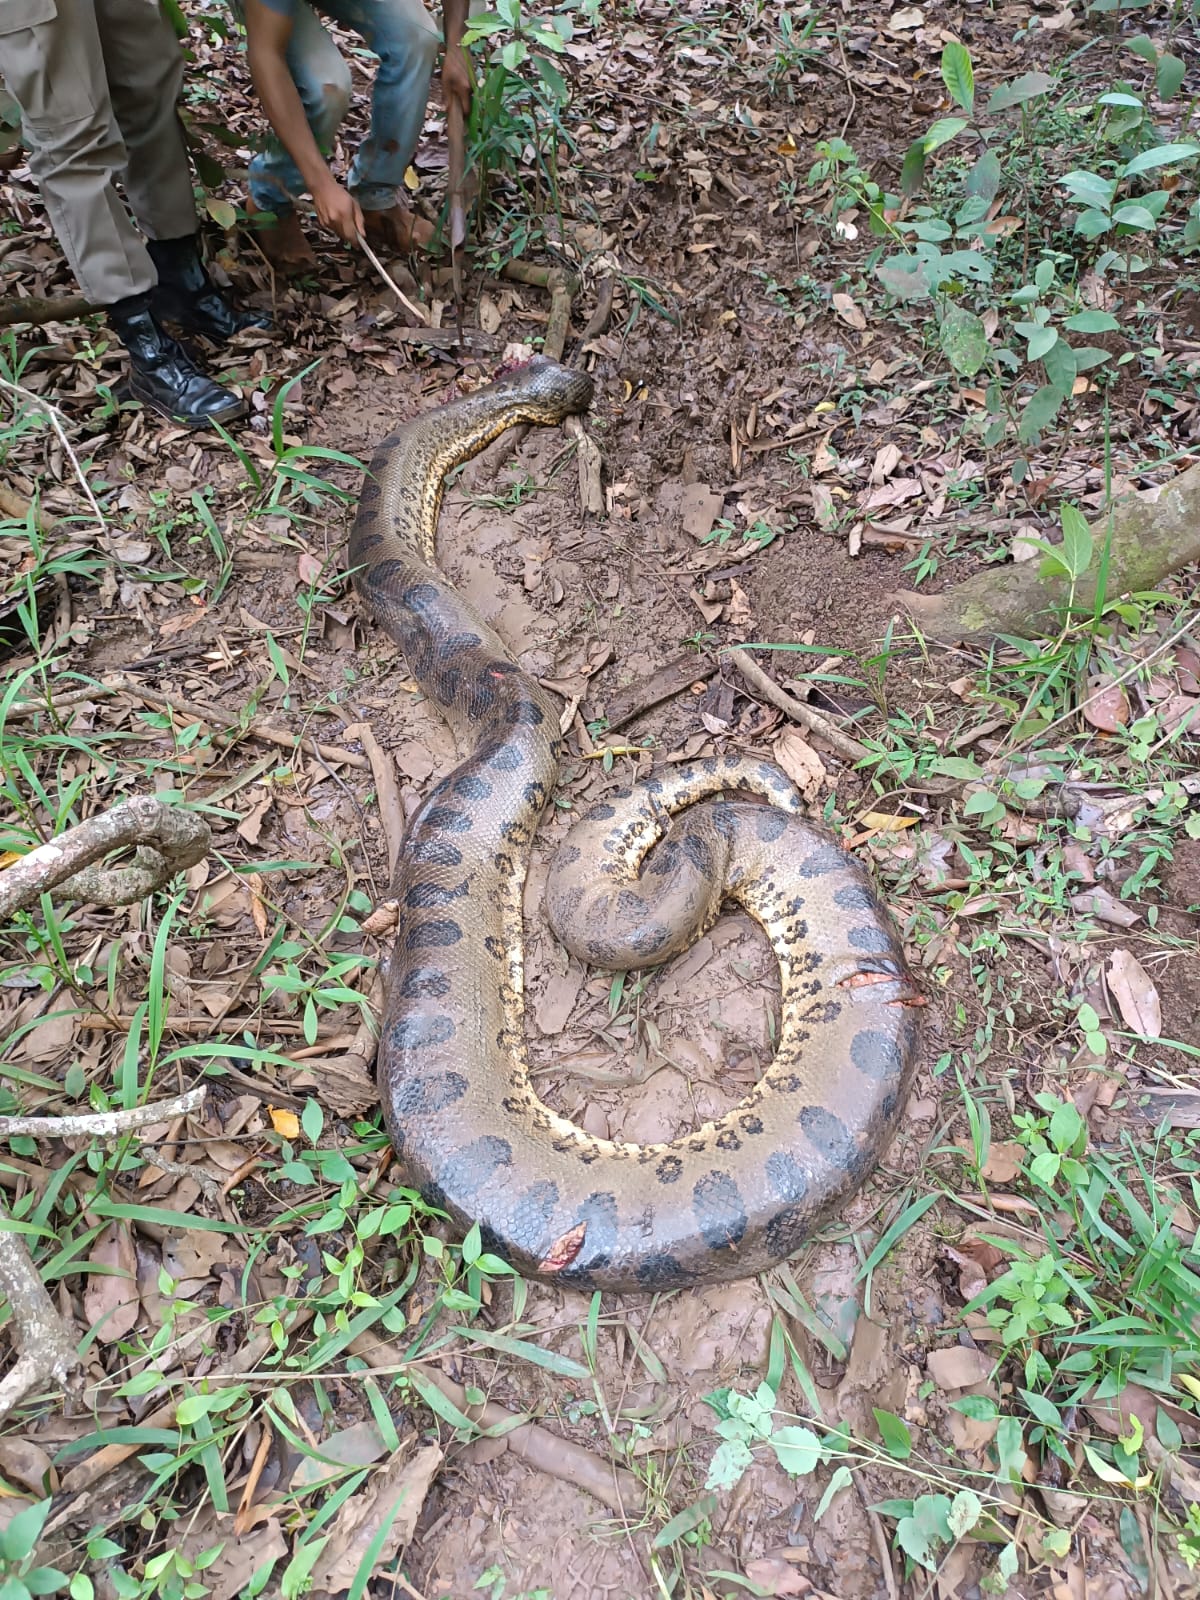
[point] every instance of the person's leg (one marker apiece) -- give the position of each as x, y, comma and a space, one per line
53, 65
144, 67
54, 69
403, 35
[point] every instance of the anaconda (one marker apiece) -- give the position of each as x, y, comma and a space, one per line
641, 876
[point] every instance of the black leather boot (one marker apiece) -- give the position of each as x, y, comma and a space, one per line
186, 295
161, 373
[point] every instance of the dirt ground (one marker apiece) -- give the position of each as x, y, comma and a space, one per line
713, 412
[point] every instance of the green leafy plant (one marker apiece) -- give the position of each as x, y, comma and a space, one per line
20, 1577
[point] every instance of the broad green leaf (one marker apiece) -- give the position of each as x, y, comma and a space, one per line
912, 172
959, 75
1093, 224
1061, 367
223, 213
798, 1450
943, 130
1090, 188
1021, 90
1163, 155
1077, 542
976, 1406
728, 1464
965, 1511
1143, 46
1044, 1410
842, 1479
920, 1534
1169, 75
1041, 341
684, 1521
1133, 215
20, 1537
897, 1440
964, 340
1092, 322
1043, 407
985, 177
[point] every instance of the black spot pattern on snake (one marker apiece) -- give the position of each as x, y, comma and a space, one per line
669, 1169
648, 941
453, 643
786, 1176
382, 572
728, 1140
732, 761
506, 758
828, 1134
528, 714
786, 1231
471, 786
494, 947
419, 597
719, 1210
534, 794
435, 852
854, 897
709, 764
432, 1092
424, 895
448, 820
662, 1271
749, 1123
531, 1215
367, 541
770, 824
787, 1083
698, 852
419, 1032
601, 812
665, 859
825, 858
623, 793
466, 1171
568, 855
424, 983
434, 935
869, 938
630, 904
877, 1055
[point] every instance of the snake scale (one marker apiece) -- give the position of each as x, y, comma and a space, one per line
638, 878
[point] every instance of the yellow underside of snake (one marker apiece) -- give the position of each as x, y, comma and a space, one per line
640, 877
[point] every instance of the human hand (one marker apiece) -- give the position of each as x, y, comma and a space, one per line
339, 211
457, 79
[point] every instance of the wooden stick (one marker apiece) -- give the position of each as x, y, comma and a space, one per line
796, 709
28, 308
421, 315
105, 1124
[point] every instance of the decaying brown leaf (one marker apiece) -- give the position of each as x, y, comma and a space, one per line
1136, 997
393, 1498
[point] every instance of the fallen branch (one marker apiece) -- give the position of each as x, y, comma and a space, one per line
421, 315
1149, 535
28, 308
626, 705
105, 1124
796, 709
614, 1487
169, 839
387, 790
46, 1344
56, 421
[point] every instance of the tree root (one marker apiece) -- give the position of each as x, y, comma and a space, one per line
812, 720
1149, 535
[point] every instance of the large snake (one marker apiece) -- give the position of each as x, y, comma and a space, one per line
738, 1194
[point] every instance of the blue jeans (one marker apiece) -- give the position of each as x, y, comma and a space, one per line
402, 34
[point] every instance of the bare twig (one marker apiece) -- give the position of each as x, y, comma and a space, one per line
46, 1345
105, 1124
231, 724
415, 311
387, 791
796, 709
170, 840
31, 309
56, 422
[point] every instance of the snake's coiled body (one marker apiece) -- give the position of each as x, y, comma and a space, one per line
738, 1194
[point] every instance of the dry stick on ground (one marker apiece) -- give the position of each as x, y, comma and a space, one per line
796, 709
105, 1124
415, 311
55, 418
560, 1458
1151, 534
169, 840
232, 724
68, 308
626, 705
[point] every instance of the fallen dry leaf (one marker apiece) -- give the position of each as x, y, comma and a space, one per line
1137, 999
392, 1499
1105, 907
111, 1300
699, 509
286, 1123
801, 762
847, 312
958, 1367
773, 1576
1106, 706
